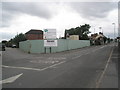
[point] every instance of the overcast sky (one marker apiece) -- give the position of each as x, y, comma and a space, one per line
20, 17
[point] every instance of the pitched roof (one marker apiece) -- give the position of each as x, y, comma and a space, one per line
34, 31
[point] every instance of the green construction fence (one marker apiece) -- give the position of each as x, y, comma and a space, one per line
37, 46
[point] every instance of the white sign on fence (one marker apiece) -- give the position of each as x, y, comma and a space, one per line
50, 43
50, 34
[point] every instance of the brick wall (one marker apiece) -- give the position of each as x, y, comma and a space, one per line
34, 36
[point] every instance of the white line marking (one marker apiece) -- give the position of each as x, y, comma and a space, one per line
53, 65
98, 48
21, 68
36, 69
11, 79
87, 53
76, 57
41, 61
100, 79
102, 47
56, 58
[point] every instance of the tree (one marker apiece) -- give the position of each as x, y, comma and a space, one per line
18, 38
4, 41
104, 39
81, 30
9, 43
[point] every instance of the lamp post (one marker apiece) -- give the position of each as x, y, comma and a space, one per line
100, 29
114, 30
94, 30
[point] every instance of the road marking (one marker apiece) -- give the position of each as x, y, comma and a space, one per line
76, 57
98, 48
56, 58
101, 76
46, 62
87, 53
52, 66
21, 68
11, 79
35, 69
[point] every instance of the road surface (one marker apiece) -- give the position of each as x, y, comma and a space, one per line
87, 67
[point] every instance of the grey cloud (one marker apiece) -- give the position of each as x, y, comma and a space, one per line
6, 36
119, 8
35, 9
110, 35
11, 9
6, 17
40, 9
93, 9
0, 14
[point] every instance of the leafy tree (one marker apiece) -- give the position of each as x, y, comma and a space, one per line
18, 38
9, 43
104, 39
4, 41
62, 38
108, 39
81, 30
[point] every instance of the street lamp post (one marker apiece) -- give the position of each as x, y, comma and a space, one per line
94, 30
114, 30
100, 29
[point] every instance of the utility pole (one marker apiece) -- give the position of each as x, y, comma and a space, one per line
100, 29
94, 30
114, 31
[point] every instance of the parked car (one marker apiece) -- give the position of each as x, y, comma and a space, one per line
13, 46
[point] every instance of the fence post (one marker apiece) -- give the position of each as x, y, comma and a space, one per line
50, 50
45, 49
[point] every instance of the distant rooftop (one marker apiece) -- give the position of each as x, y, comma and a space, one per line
34, 31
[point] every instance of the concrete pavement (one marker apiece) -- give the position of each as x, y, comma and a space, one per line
81, 68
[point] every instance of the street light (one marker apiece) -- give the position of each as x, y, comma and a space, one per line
94, 30
114, 30
100, 29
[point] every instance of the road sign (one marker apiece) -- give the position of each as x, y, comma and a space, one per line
50, 34
45, 30
50, 43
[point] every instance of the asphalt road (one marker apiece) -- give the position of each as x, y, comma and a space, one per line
80, 68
